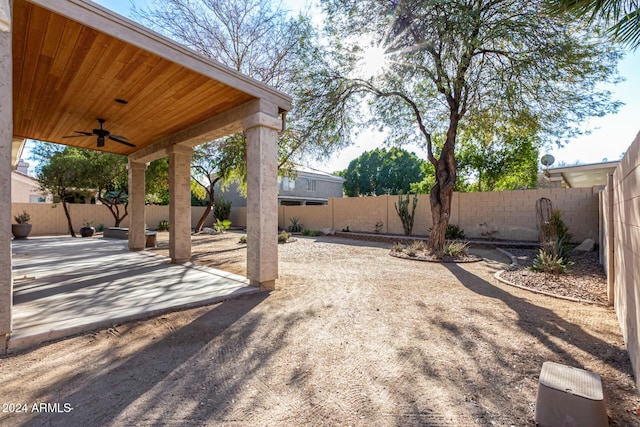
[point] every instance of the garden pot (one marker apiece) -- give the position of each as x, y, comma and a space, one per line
20, 231
87, 231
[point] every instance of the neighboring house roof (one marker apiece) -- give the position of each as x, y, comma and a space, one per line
304, 171
582, 176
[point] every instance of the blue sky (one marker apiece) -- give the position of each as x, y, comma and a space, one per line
610, 136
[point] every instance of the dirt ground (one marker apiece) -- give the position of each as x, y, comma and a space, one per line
352, 336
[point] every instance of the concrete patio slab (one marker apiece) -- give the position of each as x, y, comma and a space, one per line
64, 286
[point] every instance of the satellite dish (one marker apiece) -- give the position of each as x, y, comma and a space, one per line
547, 160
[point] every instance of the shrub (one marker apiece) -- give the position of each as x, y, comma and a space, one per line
222, 209
546, 262
163, 225
418, 246
295, 226
453, 232
243, 239
411, 251
22, 218
283, 237
397, 247
402, 209
346, 229
100, 227
314, 233
378, 227
456, 249
222, 225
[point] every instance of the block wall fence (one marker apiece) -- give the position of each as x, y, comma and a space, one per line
49, 219
506, 215
620, 247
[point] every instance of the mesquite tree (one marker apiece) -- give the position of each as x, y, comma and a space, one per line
427, 68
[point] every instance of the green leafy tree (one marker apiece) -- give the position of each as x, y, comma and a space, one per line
622, 16
429, 67
107, 174
496, 156
380, 171
63, 175
215, 162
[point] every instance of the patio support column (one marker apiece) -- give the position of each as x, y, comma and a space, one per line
262, 196
136, 205
6, 138
179, 203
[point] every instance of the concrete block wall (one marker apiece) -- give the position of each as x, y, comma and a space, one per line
49, 219
508, 215
511, 215
625, 270
311, 217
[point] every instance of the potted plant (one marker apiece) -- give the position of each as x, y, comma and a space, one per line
21, 228
87, 229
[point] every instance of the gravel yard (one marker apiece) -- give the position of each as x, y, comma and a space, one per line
352, 336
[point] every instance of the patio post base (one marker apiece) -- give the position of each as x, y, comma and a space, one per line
268, 285
4, 343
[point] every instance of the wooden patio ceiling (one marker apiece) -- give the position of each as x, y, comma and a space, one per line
69, 68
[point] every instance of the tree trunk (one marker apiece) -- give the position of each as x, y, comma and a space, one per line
207, 211
68, 215
442, 191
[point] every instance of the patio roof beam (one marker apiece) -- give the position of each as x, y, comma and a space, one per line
216, 127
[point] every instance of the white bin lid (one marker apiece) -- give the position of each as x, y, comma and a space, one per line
571, 380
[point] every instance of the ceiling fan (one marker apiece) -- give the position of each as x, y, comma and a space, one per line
101, 134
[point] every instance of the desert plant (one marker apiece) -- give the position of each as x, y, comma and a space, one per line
243, 239
295, 226
562, 231
22, 218
163, 225
100, 227
546, 262
313, 233
378, 227
411, 251
419, 246
397, 247
456, 249
222, 225
454, 232
346, 229
402, 209
283, 237
222, 209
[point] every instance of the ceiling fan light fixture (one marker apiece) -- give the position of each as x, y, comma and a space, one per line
100, 141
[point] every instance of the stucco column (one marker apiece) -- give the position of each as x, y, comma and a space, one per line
179, 203
6, 137
136, 205
262, 197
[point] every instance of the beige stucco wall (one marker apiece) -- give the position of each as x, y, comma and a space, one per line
626, 247
49, 219
23, 187
507, 215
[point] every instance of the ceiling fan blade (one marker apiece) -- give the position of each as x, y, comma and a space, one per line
121, 141
124, 138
